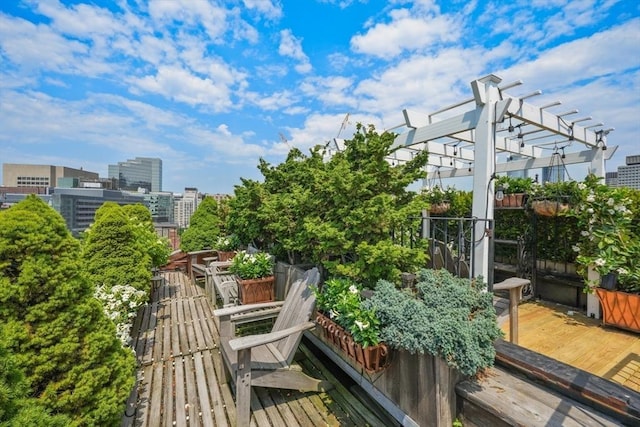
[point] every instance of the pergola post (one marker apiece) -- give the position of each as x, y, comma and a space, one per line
486, 94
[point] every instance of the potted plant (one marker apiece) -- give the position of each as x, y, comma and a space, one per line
439, 199
254, 274
226, 247
349, 326
554, 198
513, 189
610, 245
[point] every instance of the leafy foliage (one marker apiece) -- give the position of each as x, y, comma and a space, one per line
514, 184
341, 299
251, 266
158, 248
53, 327
228, 243
204, 227
449, 317
610, 242
336, 212
113, 253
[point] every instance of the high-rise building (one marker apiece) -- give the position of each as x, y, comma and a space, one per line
161, 206
185, 205
23, 175
139, 173
629, 175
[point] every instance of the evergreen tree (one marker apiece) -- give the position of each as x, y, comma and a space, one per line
113, 253
158, 248
53, 327
204, 227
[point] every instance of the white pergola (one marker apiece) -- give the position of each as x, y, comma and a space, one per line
494, 132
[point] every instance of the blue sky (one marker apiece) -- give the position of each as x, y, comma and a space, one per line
210, 86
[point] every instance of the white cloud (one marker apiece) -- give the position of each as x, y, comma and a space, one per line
291, 47
180, 85
269, 9
406, 32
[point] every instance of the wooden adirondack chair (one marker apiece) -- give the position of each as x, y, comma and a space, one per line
265, 360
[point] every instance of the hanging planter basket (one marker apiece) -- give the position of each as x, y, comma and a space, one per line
549, 207
439, 208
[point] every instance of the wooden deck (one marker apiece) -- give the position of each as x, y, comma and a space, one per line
175, 339
569, 336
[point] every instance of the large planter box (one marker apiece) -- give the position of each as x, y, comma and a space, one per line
372, 359
416, 389
620, 309
251, 291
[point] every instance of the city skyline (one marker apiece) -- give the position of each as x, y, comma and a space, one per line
211, 87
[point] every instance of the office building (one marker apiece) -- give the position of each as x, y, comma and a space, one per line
161, 206
629, 174
139, 173
24, 175
78, 206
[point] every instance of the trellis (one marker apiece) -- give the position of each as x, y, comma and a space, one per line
494, 132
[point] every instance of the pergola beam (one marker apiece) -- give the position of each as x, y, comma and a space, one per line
551, 122
585, 156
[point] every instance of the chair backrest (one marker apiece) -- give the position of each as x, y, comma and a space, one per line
296, 309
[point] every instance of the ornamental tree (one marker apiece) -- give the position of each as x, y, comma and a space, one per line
204, 227
52, 326
113, 253
158, 248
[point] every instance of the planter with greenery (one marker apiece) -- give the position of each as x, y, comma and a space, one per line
226, 247
439, 199
254, 274
515, 191
350, 327
554, 198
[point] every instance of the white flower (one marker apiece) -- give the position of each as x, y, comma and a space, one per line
591, 198
575, 248
361, 325
623, 271
599, 262
584, 233
581, 185
353, 289
333, 314
590, 211
611, 202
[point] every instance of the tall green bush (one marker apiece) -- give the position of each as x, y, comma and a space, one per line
53, 327
338, 213
113, 253
204, 227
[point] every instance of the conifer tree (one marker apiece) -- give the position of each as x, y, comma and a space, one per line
53, 327
204, 227
113, 253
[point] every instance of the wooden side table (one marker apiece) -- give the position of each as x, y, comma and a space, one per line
514, 285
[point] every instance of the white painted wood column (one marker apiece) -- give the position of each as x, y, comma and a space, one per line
486, 94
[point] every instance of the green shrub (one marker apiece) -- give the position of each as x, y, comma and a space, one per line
448, 317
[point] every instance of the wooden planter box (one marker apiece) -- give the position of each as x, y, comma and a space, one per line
252, 291
372, 359
225, 255
620, 309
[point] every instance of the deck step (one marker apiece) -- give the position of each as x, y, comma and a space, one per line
504, 399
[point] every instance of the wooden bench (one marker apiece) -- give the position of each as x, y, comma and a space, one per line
265, 360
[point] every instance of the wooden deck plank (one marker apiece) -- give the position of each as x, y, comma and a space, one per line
176, 342
569, 336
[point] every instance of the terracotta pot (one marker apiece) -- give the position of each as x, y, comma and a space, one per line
620, 309
376, 357
252, 291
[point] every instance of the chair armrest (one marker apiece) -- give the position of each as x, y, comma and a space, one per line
251, 341
229, 311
